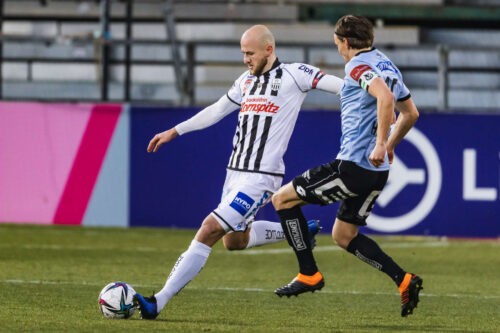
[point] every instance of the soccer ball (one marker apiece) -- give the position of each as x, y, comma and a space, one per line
116, 300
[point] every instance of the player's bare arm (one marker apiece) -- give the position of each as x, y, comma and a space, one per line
385, 112
408, 115
203, 119
159, 139
331, 83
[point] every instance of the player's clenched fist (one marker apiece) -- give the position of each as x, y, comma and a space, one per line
377, 157
160, 139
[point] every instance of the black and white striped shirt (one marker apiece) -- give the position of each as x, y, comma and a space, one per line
270, 104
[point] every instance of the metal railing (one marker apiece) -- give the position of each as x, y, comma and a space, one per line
184, 67
185, 83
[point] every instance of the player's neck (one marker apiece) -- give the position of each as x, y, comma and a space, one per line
270, 63
354, 52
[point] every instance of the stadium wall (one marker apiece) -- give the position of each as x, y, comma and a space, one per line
86, 164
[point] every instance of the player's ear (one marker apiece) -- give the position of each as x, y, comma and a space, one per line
346, 43
269, 49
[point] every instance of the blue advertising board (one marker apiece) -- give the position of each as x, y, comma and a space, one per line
444, 180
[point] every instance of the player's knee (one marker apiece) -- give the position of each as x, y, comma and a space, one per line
341, 239
279, 200
236, 241
234, 246
211, 229
341, 242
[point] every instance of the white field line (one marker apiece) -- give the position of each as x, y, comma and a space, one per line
342, 292
336, 248
330, 248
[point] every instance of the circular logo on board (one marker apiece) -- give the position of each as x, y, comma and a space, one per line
400, 176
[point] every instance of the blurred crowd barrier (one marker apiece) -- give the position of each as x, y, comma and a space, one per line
60, 50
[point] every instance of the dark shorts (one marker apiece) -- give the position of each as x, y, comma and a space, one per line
344, 181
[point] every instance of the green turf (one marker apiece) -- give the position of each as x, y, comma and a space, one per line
50, 278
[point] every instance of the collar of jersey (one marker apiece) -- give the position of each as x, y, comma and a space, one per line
276, 63
366, 51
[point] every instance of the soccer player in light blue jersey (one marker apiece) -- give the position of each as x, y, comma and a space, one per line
373, 86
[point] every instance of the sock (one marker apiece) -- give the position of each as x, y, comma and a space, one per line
294, 226
185, 269
265, 232
368, 251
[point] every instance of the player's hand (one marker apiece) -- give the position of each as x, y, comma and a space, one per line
161, 138
377, 157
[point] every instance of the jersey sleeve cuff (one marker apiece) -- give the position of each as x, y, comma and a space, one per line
404, 98
179, 130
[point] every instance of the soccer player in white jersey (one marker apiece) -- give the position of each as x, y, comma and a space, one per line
268, 96
372, 87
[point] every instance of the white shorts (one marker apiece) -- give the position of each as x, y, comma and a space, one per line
242, 196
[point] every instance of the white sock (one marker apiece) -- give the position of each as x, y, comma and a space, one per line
185, 269
265, 232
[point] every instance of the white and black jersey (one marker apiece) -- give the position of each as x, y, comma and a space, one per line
270, 104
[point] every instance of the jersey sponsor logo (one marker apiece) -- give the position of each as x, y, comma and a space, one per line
246, 85
387, 66
275, 84
306, 69
259, 107
242, 203
358, 71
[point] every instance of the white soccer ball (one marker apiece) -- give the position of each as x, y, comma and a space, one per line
116, 300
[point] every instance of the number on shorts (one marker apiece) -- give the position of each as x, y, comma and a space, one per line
333, 191
367, 206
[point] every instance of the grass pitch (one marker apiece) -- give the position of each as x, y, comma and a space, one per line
50, 278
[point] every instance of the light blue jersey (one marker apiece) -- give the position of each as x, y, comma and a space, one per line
359, 108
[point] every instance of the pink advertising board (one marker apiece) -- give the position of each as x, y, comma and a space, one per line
50, 158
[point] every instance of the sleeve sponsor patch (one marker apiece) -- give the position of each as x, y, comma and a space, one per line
306, 69
242, 203
366, 79
357, 71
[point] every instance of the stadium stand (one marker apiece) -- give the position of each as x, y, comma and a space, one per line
447, 50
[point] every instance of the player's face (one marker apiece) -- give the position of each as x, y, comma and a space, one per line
254, 56
341, 47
